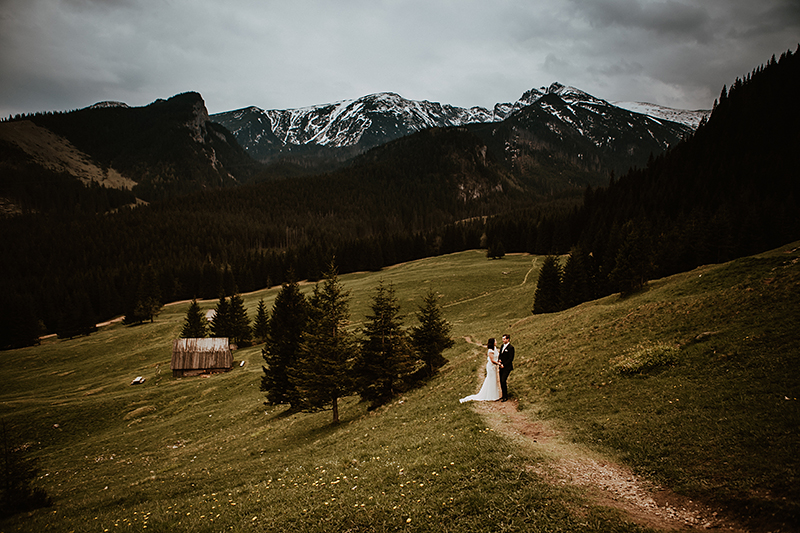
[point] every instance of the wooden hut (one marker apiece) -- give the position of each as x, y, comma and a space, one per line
192, 357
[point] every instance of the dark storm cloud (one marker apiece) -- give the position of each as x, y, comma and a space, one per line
65, 54
671, 18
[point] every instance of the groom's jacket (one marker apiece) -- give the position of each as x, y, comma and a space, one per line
507, 356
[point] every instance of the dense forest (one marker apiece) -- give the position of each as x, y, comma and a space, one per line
729, 190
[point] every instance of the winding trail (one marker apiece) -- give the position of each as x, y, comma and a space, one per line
606, 483
528, 273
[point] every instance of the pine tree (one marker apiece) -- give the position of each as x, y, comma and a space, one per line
195, 325
547, 298
282, 344
634, 260
240, 331
576, 280
220, 322
210, 281
386, 357
148, 298
324, 372
228, 281
496, 250
261, 322
432, 337
149, 295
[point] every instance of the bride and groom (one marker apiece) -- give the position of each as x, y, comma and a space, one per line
499, 363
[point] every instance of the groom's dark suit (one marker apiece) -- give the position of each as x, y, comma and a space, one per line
507, 360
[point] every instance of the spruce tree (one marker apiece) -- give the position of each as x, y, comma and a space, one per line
386, 357
220, 322
210, 281
496, 250
148, 298
195, 325
238, 321
432, 337
282, 344
633, 263
324, 372
547, 298
576, 279
261, 322
228, 281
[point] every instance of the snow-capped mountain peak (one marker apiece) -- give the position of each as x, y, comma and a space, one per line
380, 117
681, 116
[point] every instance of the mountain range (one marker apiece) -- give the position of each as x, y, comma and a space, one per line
554, 138
342, 129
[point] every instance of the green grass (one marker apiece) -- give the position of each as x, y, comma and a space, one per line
643, 359
719, 421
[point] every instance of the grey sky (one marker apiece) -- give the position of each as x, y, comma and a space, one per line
68, 54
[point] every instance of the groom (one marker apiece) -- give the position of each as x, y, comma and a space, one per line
506, 365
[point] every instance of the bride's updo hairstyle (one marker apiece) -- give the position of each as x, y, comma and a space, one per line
490, 344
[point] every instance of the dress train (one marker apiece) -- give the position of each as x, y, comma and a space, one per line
490, 390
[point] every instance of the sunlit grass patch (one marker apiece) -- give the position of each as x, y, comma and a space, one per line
643, 358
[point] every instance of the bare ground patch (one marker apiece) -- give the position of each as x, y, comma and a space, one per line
606, 482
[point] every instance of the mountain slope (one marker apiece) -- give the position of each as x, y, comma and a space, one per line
581, 131
167, 148
56, 153
681, 116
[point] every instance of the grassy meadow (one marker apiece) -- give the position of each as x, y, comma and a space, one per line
693, 383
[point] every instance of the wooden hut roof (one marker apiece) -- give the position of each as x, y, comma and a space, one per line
212, 352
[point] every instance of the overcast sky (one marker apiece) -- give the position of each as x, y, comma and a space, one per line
282, 54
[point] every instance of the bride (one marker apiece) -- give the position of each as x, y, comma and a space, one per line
490, 390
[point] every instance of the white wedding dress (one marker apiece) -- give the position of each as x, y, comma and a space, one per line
490, 390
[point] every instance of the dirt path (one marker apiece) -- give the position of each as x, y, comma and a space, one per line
606, 483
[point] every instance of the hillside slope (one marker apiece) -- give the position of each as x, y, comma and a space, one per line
164, 149
716, 423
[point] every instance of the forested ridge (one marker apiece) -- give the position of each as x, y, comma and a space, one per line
729, 190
